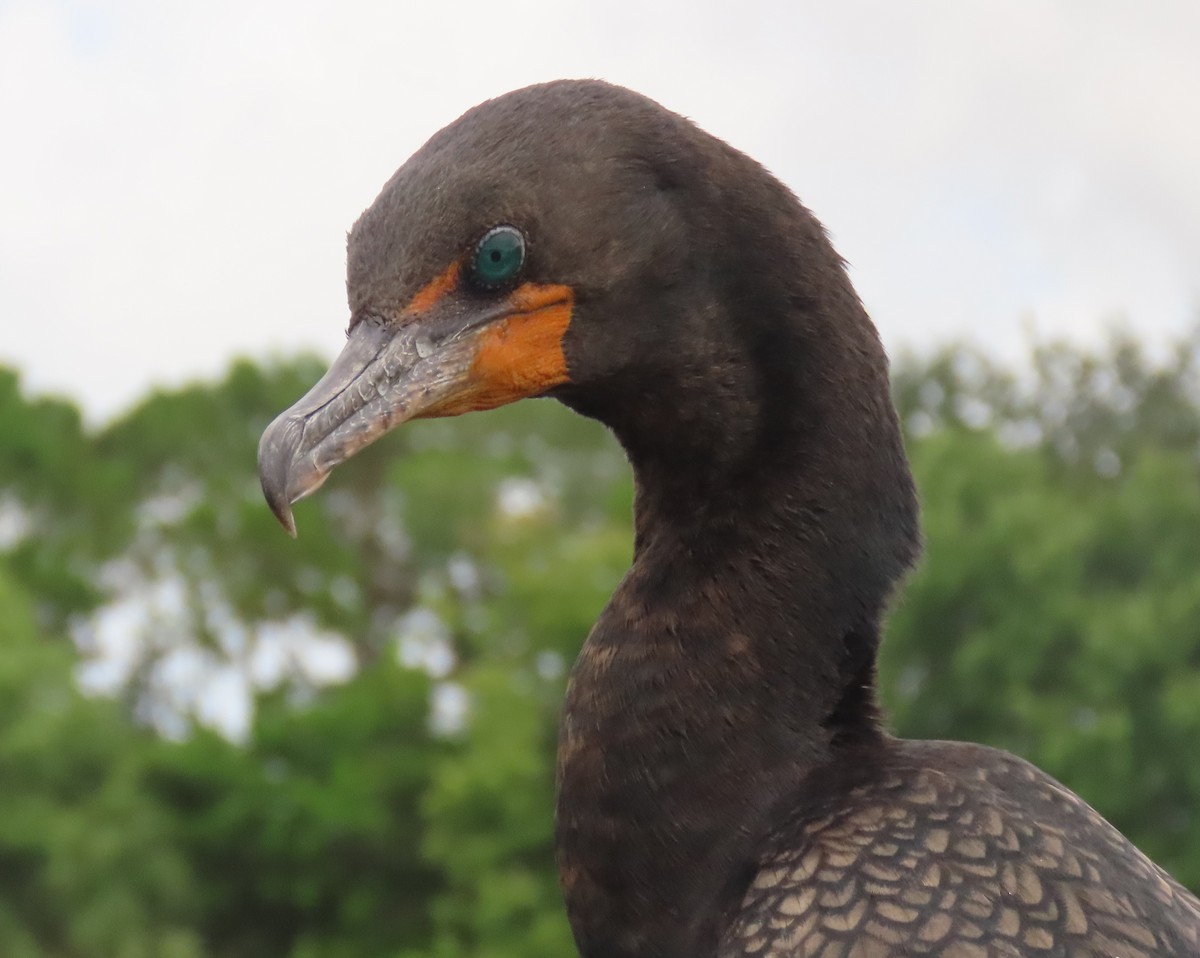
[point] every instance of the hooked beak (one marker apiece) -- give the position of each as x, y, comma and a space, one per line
445, 355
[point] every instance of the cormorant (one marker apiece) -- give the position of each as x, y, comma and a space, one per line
725, 785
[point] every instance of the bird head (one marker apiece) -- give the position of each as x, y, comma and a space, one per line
577, 240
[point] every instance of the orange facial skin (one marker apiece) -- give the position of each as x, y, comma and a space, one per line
516, 356
434, 291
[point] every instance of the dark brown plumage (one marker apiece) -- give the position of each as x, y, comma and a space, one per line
725, 785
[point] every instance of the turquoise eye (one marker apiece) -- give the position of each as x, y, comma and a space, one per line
498, 256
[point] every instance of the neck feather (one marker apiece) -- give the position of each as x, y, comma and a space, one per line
774, 514
728, 667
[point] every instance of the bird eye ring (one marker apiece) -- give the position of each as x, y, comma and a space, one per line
498, 257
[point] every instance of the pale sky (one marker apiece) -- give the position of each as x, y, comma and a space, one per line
176, 179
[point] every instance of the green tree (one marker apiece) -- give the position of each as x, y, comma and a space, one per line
86, 865
402, 806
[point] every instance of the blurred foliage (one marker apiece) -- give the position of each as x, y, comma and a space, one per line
187, 774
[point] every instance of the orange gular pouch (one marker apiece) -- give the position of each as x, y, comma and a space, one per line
518, 355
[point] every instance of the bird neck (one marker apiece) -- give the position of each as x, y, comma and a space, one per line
774, 514
726, 668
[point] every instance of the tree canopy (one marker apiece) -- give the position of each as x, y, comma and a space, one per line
216, 741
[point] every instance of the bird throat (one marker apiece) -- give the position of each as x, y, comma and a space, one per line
700, 702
